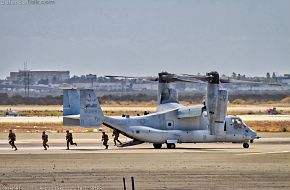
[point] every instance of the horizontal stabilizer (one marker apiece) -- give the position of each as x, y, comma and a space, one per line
73, 120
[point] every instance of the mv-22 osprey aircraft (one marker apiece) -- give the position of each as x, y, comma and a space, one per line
172, 123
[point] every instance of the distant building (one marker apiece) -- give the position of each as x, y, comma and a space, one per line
39, 77
284, 79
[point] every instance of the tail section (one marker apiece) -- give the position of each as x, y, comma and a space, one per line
71, 102
91, 114
71, 107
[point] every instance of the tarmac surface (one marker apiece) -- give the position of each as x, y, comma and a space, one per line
265, 165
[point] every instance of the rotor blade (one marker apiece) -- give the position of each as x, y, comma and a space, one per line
133, 77
225, 80
238, 81
274, 84
119, 76
169, 77
222, 79
163, 76
197, 77
184, 79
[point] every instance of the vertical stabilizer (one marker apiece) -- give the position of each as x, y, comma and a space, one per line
71, 107
71, 102
91, 114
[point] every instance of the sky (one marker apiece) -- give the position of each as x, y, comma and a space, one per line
144, 37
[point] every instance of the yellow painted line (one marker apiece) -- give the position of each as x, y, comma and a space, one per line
260, 153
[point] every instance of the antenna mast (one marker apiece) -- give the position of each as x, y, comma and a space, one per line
26, 79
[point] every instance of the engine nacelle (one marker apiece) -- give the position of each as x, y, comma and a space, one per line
211, 105
221, 113
216, 105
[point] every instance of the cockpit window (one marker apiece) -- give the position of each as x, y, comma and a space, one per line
237, 122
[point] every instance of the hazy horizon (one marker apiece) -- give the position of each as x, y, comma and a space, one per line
141, 38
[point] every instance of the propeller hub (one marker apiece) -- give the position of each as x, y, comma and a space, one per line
165, 77
213, 77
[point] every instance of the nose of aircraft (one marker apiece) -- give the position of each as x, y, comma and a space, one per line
252, 134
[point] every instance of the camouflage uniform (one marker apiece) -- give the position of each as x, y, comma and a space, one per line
116, 137
45, 140
69, 140
105, 140
12, 139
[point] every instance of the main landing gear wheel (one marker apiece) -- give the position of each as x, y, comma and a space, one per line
170, 145
246, 145
158, 146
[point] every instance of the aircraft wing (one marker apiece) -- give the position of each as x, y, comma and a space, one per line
189, 111
168, 106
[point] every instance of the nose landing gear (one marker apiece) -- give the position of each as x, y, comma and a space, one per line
246, 145
170, 145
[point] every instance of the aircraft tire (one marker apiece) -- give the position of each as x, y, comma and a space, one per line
157, 146
246, 145
170, 145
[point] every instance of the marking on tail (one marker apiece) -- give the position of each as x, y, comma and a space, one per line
91, 114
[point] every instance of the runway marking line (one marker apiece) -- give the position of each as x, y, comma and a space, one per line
259, 153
